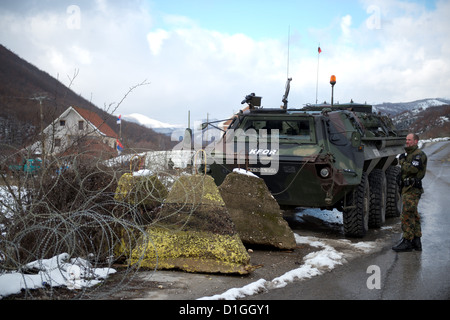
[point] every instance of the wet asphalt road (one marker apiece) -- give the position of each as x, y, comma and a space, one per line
387, 274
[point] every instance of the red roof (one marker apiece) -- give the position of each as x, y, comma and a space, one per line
97, 121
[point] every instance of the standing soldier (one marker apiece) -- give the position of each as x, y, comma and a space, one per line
414, 165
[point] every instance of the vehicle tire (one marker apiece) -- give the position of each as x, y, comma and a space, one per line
356, 217
394, 203
377, 206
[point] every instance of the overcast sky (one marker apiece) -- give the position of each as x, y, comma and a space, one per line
205, 56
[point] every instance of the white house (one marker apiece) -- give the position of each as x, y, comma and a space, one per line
73, 127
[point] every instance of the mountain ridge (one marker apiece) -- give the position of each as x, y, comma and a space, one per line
156, 125
404, 115
21, 84
394, 108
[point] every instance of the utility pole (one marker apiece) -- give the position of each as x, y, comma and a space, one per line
40, 98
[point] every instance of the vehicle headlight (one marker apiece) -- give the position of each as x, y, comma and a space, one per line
324, 172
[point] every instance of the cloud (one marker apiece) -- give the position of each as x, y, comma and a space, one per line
189, 68
399, 52
210, 72
155, 40
403, 58
346, 23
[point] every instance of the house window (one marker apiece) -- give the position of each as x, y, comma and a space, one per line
57, 142
80, 125
62, 123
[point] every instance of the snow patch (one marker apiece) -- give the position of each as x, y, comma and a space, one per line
236, 293
422, 143
148, 122
315, 264
245, 172
142, 173
366, 247
329, 216
59, 271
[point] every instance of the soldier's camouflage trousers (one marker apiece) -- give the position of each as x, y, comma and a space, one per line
410, 217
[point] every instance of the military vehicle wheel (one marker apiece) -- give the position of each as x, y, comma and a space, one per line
356, 216
377, 185
393, 197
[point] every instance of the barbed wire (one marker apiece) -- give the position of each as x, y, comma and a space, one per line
71, 207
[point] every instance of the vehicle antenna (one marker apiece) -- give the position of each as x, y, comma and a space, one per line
289, 40
288, 86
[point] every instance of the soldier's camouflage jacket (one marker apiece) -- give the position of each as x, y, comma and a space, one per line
414, 167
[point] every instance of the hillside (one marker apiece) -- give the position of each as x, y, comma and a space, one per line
157, 126
401, 107
430, 118
431, 122
21, 83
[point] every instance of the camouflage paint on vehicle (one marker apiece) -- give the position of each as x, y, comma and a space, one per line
318, 156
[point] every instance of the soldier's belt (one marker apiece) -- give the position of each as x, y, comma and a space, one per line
417, 183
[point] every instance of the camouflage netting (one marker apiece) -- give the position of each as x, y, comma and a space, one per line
193, 232
255, 212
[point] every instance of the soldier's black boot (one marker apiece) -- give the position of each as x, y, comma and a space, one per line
404, 246
417, 244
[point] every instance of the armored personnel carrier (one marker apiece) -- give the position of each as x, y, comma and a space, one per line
325, 156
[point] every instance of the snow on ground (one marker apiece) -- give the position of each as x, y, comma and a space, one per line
314, 264
59, 271
329, 216
77, 273
423, 142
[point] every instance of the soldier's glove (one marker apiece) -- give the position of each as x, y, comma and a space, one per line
414, 182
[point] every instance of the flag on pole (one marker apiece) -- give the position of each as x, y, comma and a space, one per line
317, 83
119, 119
119, 146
